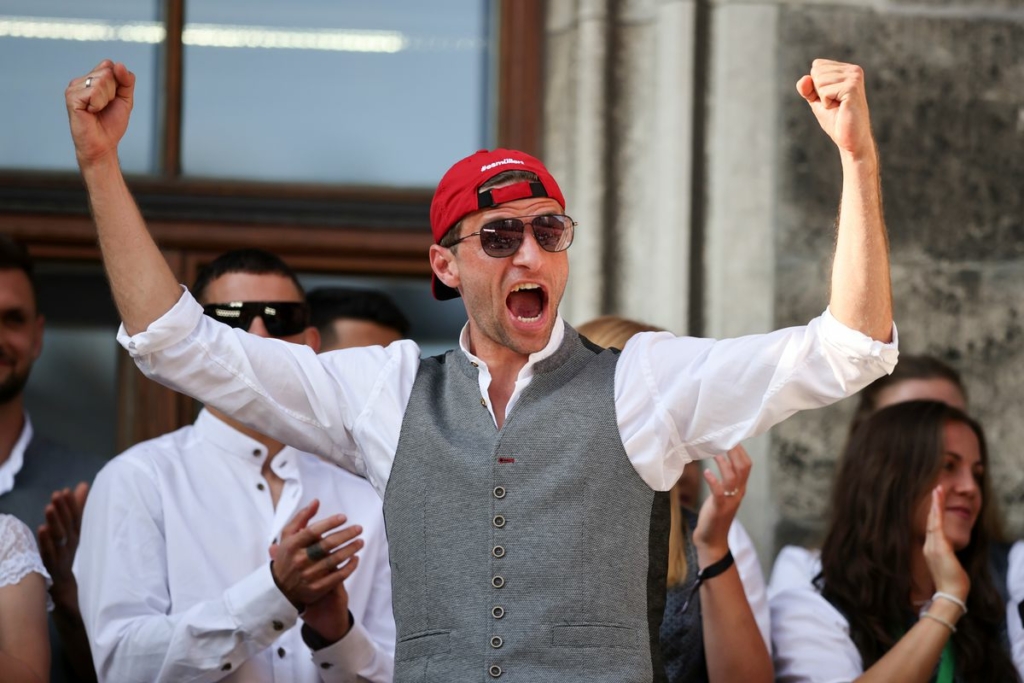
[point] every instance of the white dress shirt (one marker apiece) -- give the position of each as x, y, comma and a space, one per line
16, 460
173, 565
676, 398
810, 638
1015, 607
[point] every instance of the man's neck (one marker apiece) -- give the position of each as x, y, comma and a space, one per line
12, 421
273, 447
503, 364
274, 482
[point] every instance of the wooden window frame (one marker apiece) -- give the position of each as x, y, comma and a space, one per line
316, 228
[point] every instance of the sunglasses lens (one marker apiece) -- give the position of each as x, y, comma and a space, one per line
284, 319
553, 233
232, 315
502, 238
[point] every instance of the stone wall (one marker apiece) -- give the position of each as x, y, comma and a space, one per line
946, 90
707, 193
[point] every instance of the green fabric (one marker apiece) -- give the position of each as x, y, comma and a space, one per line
946, 665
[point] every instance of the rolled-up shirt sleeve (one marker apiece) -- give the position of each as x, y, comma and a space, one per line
340, 405
680, 399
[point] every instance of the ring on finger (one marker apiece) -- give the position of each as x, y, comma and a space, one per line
88, 82
62, 541
315, 552
734, 492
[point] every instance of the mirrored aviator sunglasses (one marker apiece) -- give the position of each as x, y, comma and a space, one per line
281, 318
503, 237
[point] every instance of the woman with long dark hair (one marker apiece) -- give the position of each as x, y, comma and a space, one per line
904, 593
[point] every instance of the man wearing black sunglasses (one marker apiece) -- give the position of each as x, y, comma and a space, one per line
174, 560
523, 474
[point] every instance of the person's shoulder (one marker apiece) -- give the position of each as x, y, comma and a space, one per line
12, 532
153, 454
795, 569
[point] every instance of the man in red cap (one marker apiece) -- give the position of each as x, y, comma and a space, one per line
523, 474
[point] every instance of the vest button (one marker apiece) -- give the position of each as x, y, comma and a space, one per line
497, 642
498, 551
497, 582
499, 491
499, 521
495, 671
497, 611
483, 402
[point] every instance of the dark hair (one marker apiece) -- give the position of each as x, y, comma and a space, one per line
504, 178
891, 462
908, 368
327, 304
254, 261
14, 256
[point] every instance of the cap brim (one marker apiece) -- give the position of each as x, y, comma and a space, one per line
442, 292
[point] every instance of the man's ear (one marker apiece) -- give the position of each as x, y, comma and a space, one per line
442, 262
311, 338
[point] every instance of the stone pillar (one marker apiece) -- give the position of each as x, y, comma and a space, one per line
618, 125
741, 208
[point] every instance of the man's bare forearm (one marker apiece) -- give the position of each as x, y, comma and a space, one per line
861, 287
143, 285
99, 105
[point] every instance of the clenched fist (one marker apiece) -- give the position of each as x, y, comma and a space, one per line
99, 105
835, 91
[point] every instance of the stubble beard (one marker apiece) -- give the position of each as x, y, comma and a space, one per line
12, 387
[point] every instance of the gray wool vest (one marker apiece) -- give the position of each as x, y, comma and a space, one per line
535, 553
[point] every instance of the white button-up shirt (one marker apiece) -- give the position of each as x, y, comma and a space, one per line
173, 565
10, 467
1015, 607
676, 398
811, 640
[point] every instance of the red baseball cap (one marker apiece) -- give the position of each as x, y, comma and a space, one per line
458, 194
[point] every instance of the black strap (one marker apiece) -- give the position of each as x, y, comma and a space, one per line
708, 572
485, 200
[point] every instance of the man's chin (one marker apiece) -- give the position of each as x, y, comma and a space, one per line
12, 387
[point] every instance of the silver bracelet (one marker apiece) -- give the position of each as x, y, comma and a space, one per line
940, 620
953, 599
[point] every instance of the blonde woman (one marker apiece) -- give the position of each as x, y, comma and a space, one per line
715, 627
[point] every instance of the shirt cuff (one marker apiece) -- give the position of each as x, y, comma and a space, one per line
259, 607
347, 657
856, 345
167, 330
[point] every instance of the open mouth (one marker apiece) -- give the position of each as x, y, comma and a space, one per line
526, 302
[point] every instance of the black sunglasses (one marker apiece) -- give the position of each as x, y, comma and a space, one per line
503, 237
281, 318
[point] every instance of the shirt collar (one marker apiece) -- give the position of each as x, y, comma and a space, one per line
10, 468
557, 335
235, 443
